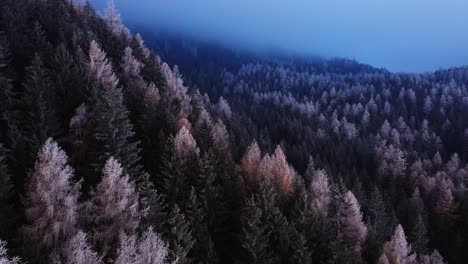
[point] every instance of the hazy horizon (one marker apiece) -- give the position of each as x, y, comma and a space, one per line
402, 36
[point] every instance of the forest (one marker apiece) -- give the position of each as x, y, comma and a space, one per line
151, 147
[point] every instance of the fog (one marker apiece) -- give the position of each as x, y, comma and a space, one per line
400, 35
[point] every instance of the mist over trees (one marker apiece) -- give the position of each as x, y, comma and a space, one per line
110, 153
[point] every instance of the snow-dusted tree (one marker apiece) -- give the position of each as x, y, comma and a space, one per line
112, 18
113, 131
319, 193
131, 67
427, 104
51, 202
397, 250
100, 68
152, 249
176, 88
223, 108
433, 258
78, 251
4, 258
185, 145
113, 207
220, 138
445, 203
351, 225
149, 249
141, 44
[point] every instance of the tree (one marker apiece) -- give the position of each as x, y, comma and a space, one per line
78, 251
113, 131
255, 235
179, 237
51, 202
351, 226
149, 249
112, 18
250, 162
113, 207
185, 145
223, 108
319, 194
4, 259
6, 195
397, 250
418, 223
40, 120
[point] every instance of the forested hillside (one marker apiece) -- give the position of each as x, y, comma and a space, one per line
109, 153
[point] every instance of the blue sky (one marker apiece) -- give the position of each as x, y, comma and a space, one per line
400, 35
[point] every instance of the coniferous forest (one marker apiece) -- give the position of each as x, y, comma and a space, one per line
118, 148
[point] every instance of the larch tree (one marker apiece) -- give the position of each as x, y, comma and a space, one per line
250, 162
113, 207
114, 133
51, 202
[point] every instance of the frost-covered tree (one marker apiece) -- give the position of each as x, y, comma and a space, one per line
251, 161
4, 258
350, 222
185, 145
220, 138
397, 250
51, 202
113, 207
149, 249
129, 64
223, 108
319, 193
79, 251
112, 18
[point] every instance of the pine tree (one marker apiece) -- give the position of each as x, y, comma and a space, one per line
418, 223
113, 134
113, 207
40, 120
379, 225
51, 203
255, 235
179, 237
6, 196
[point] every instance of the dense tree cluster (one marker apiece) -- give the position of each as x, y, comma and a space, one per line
107, 156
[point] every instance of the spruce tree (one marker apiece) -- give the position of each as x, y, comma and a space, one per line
113, 134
